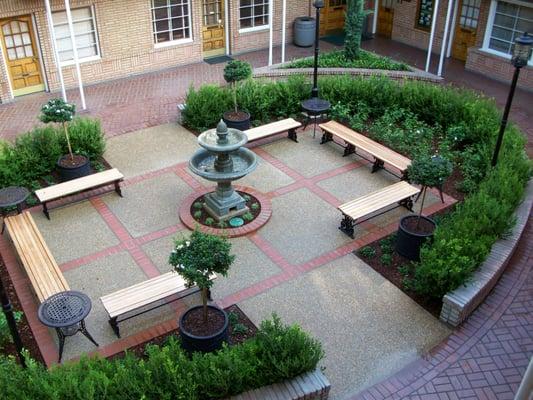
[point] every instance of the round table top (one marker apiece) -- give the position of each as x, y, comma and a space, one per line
13, 195
64, 309
316, 105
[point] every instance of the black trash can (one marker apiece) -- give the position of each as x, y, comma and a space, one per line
304, 31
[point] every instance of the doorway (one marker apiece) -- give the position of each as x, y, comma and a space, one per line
385, 18
213, 31
466, 28
333, 17
21, 55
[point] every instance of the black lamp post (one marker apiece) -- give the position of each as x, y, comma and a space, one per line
11, 322
318, 4
521, 53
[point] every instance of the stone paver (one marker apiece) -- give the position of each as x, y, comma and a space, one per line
368, 327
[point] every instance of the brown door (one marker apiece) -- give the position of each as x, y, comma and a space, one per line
18, 42
385, 18
332, 16
466, 28
213, 28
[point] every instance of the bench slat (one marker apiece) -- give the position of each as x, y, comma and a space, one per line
272, 129
379, 199
366, 144
78, 185
143, 293
41, 267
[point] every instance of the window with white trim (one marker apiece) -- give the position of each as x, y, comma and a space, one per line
84, 32
171, 20
510, 22
253, 13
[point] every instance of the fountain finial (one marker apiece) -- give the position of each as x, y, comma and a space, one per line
222, 132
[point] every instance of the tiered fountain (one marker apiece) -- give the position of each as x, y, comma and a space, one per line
223, 160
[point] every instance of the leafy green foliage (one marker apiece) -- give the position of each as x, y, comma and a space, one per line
386, 259
277, 352
5, 335
34, 154
57, 110
340, 59
255, 206
197, 214
248, 216
209, 221
367, 252
430, 171
353, 28
205, 107
240, 329
237, 70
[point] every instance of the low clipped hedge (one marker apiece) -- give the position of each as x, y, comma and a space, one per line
465, 122
276, 353
34, 154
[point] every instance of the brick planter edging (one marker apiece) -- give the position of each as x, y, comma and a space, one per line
275, 71
458, 304
309, 386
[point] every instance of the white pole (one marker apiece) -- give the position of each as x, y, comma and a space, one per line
444, 41
283, 30
226, 26
75, 53
54, 48
432, 34
375, 20
452, 32
271, 32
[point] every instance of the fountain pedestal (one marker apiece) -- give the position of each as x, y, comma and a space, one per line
225, 203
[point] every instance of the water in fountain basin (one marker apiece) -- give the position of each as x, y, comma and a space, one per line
208, 163
211, 137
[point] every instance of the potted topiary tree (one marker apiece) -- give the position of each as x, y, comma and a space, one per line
414, 230
235, 72
69, 166
202, 328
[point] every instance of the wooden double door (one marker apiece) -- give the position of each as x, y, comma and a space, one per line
332, 16
21, 55
213, 30
385, 18
466, 28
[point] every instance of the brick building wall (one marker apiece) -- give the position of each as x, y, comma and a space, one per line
126, 42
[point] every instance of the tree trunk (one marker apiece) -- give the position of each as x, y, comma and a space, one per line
235, 97
204, 303
68, 140
424, 188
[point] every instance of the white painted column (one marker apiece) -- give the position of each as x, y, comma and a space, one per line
452, 32
226, 26
445, 37
432, 34
75, 53
375, 19
283, 30
271, 32
54, 48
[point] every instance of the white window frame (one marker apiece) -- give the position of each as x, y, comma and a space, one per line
490, 25
98, 55
257, 28
171, 43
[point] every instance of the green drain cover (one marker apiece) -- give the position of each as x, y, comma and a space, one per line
236, 222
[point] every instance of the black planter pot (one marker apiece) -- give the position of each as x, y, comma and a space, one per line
242, 124
408, 243
69, 173
204, 344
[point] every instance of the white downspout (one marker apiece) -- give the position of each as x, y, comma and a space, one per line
445, 37
271, 33
283, 30
54, 48
75, 54
375, 20
226, 26
432, 34
452, 32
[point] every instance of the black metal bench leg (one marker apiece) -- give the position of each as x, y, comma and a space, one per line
347, 226
293, 135
326, 137
349, 149
114, 325
407, 203
378, 164
118, 189
45, 211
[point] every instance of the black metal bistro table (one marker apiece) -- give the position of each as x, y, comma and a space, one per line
66, 312
12, 196
315, 107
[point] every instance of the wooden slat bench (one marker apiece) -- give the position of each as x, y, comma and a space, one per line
41, 267
286, 125
355, 211
354, 140
140, 298
55, 192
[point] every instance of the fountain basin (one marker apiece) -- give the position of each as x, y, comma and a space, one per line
243, 161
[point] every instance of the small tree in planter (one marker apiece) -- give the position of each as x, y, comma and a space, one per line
70, 166
235, 72
197, 259
427, 171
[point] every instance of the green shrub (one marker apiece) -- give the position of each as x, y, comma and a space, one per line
276, 353
386, 259
248, 216
205, 106
367, 252
5, 335
197, 214
87, 138
209, 221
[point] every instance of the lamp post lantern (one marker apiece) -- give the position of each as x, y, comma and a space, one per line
521, 53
